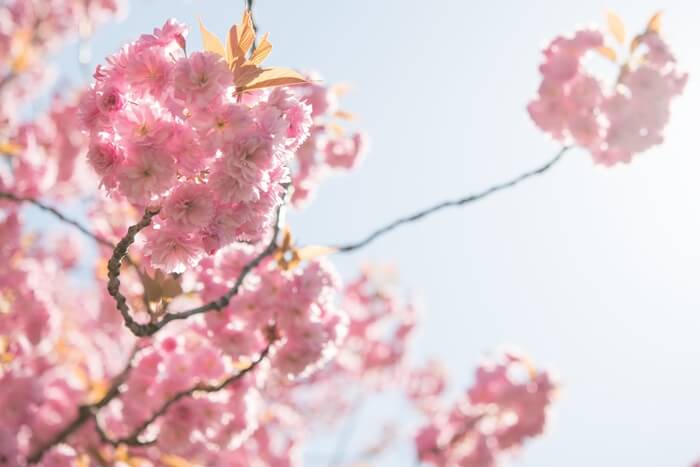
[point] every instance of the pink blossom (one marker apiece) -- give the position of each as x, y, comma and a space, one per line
146, 174
173, 250
200, 78
189, 206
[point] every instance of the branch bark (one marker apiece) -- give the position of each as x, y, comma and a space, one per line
452, 203
133, 438
220, 303
85, 413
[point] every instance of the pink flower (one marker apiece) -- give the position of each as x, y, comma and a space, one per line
110, 100
147, 173
248, 156
189, 206
149, 71
173, 250
105, 156
221, 123
201, 77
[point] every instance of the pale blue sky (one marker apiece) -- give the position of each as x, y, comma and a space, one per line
593, 272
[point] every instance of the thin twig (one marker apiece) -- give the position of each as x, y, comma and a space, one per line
58, 214
249, 6
133, 438
85, 413
451, 203
346, 432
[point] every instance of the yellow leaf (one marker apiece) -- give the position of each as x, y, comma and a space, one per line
243, 363
344, 115
210, 41
239, 41
98, 389
314, 251
616, 27
83, 461
340, 89
335, 129
170, 460
654, 24
9, 148
270, 77
607, 52
636, 40
261, 51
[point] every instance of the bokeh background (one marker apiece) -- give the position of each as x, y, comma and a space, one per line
592, 271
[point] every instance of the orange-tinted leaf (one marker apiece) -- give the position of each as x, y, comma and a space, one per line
171, 288
261, 51
335, 129
607, 52
9, 148
315, 251
169, 460
244, 74
342, 114
210, 41
654, 24
616, 26
340, 89
239, 41
270, 77
152, 287
636, 40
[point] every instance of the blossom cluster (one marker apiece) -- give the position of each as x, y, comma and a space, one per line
29, 29
507, 405
613, 121
329, 148
48, 155
168, 129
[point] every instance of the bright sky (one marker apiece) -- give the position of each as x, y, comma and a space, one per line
593, 272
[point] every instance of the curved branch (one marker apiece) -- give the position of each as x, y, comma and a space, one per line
114, 269
220, 303
85, 413
452, 203
133, 438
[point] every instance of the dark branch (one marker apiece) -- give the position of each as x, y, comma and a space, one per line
249, 7
58, 214
452, 203
114, 269
133, 438
85, 413
220, 303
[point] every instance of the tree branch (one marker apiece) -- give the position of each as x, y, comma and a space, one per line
58, 214
133, 438
220, 303
452, 203
85, 413
114, 269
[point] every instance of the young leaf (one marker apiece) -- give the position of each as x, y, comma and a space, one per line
635, 43
607, 52
314, 251
9, 148
261, 51
343, 115
616, 27
654, 24
269, 77
210, 41
170, 460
